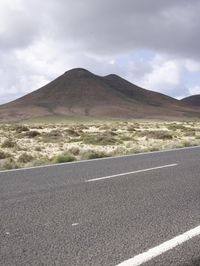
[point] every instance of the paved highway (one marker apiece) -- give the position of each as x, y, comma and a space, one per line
104, 212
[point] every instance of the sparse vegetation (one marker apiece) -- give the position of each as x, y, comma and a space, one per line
88, 155
9, 164
8, 143
32, 134
25, 158
4, 155
40, 144
64, 157
105, 138
20, 128
157, 134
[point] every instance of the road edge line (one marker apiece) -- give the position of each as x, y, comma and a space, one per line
162, 248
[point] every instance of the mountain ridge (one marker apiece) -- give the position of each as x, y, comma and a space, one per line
193, 100
80, 92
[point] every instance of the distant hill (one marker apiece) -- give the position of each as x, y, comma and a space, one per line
79, 92
192, 100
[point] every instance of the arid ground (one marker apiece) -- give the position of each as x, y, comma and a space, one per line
33, 144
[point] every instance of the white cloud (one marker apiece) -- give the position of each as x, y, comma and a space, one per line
194, 90
40, 40
164, 77
192, 66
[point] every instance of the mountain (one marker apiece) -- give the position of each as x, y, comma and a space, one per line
192, 100
79, 92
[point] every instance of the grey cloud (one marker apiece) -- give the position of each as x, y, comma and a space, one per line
110, 27
18, 28
114, 26
91, 34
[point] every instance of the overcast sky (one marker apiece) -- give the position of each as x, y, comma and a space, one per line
152, 43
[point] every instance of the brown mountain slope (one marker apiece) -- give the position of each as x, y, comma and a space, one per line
192, 100
79, 92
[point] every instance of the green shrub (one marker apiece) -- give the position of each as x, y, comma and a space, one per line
52, 136
154, 148
38, 162
4, 155
187, 143
54, 133
32, 134
100, 139
190, 132
104, 127
88, 155
8, 143
175, 127
21, 128
72, 133
131, 128
25, 158
38, 148
63, 157
9, 164
125, 138
158, 134
136, 150
74, 150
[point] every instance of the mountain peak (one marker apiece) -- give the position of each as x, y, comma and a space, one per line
112, 76
192, 100
78, 72
82, 93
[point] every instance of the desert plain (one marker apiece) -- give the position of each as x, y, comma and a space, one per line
37, 143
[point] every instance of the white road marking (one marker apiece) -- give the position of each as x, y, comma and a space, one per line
130, 173
75, 224
164, 247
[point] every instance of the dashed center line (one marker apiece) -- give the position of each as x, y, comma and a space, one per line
75, 224
133, 172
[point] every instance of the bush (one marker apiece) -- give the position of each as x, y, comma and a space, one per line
74, 150
21, 128
100, 139
32, 133
63, 157
54, 133
72, 133
38, 162
131, 128
104, 127
4, 155
88, 155
52, 136
125, 138
175, 127
158, 134
8, 143
154, 148
9, 164
25, 158
187, 143
190, 132
38, 148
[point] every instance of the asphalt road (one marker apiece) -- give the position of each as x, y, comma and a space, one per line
91, 213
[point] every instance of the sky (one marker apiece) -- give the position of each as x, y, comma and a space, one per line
152, 43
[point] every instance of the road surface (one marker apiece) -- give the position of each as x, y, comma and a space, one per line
103, 212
